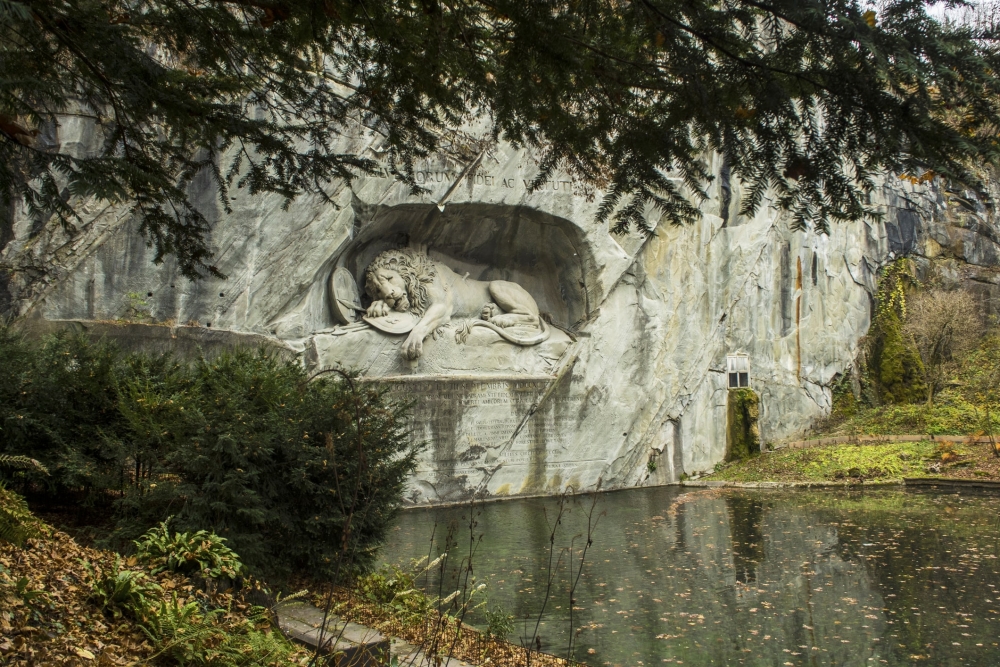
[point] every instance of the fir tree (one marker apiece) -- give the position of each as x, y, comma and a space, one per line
812, 100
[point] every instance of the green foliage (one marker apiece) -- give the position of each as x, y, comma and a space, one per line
894, 365
185, 634
58, 404
742, 431
17, 523
897, 365
811, 102
396, 589
951, 414
201, 552
274, 463
182, 632
383, 585
295, 475
846, 462
21, 463
136, 307
121, 591
979, 372
845, 404
499, 624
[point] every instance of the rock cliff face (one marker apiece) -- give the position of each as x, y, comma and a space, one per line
635, 369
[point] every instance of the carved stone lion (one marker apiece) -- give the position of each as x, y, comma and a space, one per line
409, 281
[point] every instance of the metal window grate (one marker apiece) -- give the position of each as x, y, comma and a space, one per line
738, 370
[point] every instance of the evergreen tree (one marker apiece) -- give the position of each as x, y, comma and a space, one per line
811, 99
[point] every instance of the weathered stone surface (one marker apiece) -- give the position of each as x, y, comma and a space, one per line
348, 644
635, 365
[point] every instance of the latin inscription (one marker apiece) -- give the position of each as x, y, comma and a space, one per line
466, 420
486, 179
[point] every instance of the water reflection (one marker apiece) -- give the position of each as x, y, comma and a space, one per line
741, 578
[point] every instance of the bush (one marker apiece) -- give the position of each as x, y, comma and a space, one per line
201, 553
17, 523
392, 587
273, 463
499, 624
295, 475
57, 404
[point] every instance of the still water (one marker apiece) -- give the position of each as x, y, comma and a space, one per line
714, 577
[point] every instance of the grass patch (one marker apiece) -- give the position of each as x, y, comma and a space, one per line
951, 414
865, 462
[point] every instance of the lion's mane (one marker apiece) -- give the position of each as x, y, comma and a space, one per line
416, 269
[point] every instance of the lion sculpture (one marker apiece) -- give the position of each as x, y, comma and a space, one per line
409, 281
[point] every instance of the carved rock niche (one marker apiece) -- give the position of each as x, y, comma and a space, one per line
543, 254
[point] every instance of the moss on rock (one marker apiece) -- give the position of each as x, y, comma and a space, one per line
742, 431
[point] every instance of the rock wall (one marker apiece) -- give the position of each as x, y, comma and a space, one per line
634, 370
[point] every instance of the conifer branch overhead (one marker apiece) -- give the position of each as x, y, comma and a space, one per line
17, 462
808, 101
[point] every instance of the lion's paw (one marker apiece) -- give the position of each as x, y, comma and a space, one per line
491, 311
507, 320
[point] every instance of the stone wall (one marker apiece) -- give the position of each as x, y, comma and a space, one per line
641, 326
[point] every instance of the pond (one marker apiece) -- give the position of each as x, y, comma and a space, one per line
726, 577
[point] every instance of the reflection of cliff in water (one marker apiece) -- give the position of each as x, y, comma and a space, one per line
752, 578
771, 585
745, 514
935, 559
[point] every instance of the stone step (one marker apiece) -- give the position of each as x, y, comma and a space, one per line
351, 644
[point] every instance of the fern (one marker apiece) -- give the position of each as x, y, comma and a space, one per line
199, 552
183, 634
121, 591
17, 523
21, 463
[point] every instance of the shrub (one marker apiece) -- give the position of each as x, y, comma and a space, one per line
499, 624
395, 588
57, 404
251, 450
295, 475
201, 553
385, 584
17, 523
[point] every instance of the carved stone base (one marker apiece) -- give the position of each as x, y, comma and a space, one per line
376, 354
501, 436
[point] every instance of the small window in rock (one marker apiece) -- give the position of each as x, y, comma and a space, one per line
738, 370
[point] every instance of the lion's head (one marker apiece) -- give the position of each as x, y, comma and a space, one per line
400, 278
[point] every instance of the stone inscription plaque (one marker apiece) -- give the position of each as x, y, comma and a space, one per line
468, 425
